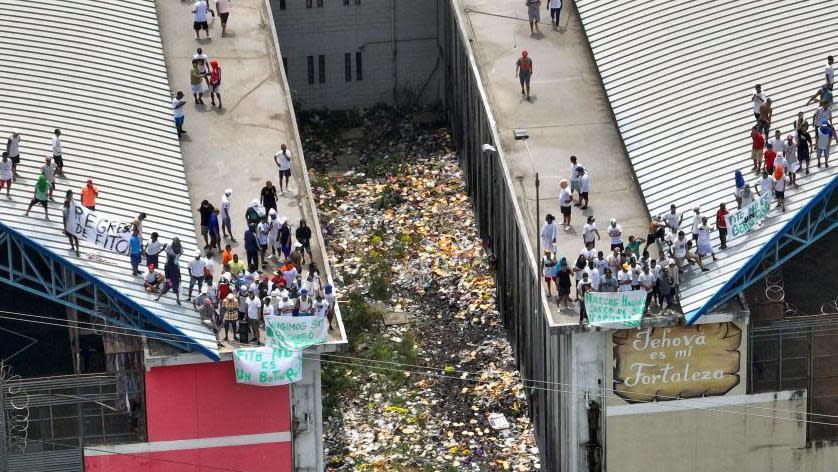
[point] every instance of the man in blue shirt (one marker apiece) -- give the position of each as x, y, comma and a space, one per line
136, 246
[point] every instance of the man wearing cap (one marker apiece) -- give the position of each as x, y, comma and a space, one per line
196, 273
825, 133
624, 278
205, 211
88, 195
230, 308
283, 237
13, 151
304, 303
590, 234
226, 222
549, 232
330, 298
523, 67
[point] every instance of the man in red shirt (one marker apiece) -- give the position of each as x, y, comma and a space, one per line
770, 155
756, 150
721, 224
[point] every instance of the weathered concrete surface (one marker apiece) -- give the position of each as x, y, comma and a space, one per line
233, 147
568, 114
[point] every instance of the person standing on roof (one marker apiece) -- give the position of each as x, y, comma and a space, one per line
615, 232
172, 274
88, 195
825, 133
804, 145
283, 162
196, 273
791, 158
829, 72
57, 152
74, 240
721, 224
780, 182
226, 221
757, 144
6, 174
672, 220
41, 196
179, 112
223, 8
215, 82
757, 99
770, 155
765, 115
199, 10
524, 70
303, 235
13, 151
534, 14
565, 203
268, 196
48, 170
251, 247
196, 81
549, 233
205, 211
703, 245
555, 8
135, 245
574, 177
823, 113
153, 250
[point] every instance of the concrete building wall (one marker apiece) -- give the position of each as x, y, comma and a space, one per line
406, 70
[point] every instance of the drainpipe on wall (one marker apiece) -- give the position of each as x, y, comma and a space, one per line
395, 59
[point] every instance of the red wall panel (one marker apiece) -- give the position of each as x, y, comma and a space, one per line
203, 401
253, 458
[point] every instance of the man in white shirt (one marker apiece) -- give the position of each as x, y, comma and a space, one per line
13, 151
829, 73
565, 202
203, 61
283, 161
615, 232
199, 9
549, 232
594, 275
57, 152
177, 108
766, 185
584, 187
48, 169
696, 222
779, 187
590, 234
223, 7
673, 222
574, 177
777, 143
824, 140
226, 221
680, 251
254, 306
196, 274
758, 99
704, 247
647, 284
6, 174
624, 279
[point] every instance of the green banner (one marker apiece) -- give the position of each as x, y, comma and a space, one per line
295, 332
741, 221
615, 309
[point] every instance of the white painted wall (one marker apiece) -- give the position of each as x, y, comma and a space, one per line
368, 28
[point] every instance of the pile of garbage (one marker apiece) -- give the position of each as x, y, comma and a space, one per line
404, 239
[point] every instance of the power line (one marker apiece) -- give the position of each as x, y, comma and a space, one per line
524, 385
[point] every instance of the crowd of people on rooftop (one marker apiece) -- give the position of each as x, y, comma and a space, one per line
626, 266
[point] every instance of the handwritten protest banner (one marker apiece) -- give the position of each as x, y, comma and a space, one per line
741, 221
97, 229
296, 332
264, 366
615, 309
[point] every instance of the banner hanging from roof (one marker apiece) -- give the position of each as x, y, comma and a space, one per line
615, 309
741, 221
97, 229
266, 367
295, 332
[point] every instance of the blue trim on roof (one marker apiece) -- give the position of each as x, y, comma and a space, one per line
101, 284
693, 316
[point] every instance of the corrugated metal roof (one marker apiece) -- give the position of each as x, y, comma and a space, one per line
95, 69
679, 76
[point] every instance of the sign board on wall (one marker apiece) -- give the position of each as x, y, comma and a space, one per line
658, 364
